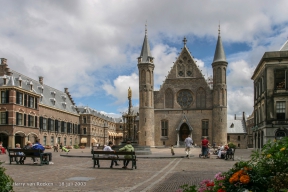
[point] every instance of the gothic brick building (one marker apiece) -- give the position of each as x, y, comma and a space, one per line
185, 104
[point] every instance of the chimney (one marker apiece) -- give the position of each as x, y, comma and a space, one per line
66, 90
3, 66
41, 80
243, 115
8, 71
235, 117
3, 61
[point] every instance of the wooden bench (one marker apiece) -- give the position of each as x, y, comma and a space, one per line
230, 154
28, 153
102, 155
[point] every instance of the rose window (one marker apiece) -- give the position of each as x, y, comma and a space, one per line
184, 98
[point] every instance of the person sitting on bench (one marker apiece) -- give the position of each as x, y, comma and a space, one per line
38, 146
27, 146
113, 157
127, 148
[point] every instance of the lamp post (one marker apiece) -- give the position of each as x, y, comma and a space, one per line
105, 126
129, 118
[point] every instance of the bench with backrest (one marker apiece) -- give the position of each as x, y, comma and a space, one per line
13, 154
119, 155
230, 154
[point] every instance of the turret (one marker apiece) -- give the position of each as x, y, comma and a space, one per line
219, 121
146, 94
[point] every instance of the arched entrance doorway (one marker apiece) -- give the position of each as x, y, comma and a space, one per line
4, 139
184, 132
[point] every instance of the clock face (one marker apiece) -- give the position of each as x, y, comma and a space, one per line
184, 98
180, 73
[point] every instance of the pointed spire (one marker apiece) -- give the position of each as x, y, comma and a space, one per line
184, 41
145, 53
219, 52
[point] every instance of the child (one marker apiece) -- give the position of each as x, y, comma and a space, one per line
172, 150
17, 146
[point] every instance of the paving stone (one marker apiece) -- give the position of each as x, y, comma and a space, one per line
157, 172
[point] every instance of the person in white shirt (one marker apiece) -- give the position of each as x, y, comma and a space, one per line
188, 144
108, 148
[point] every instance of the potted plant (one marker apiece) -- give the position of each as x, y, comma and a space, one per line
82, 146
69, 147
76, 146
48, 147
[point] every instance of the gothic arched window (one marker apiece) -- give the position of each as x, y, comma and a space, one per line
143, 77
169, 98
148, 76
219, 77
201, 98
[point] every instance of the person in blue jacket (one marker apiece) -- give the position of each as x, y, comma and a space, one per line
37, 145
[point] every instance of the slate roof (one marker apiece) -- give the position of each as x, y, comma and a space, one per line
49, 94
145, 52
219, 52
284, 47
88, 110
236, 126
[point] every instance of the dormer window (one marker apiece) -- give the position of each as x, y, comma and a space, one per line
31, 85
64, 104
64, 97
20, 81
4, 80
41, 88
53, 93
53, 100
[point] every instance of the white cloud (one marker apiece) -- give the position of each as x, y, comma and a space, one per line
120, 86
79, 44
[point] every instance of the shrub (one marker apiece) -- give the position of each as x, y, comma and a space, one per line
6, 182
266, 171
231, 145
272, 163
76, 146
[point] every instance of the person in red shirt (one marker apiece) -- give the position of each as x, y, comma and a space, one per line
204, 147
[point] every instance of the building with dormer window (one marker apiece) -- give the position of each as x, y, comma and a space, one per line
271, 97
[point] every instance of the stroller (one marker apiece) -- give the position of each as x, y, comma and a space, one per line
208, 153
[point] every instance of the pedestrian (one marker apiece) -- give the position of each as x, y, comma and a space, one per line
56, 147
127, 148
172, 150
205, 143
188, 144
61, 147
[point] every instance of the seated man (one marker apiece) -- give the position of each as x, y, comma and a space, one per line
27, 146
222, 152
37, 145
113, 157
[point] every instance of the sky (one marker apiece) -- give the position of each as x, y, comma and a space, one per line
91, 47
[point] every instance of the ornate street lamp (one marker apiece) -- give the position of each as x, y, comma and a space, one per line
129, 118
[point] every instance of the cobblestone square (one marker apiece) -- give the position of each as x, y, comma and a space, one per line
159, 171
